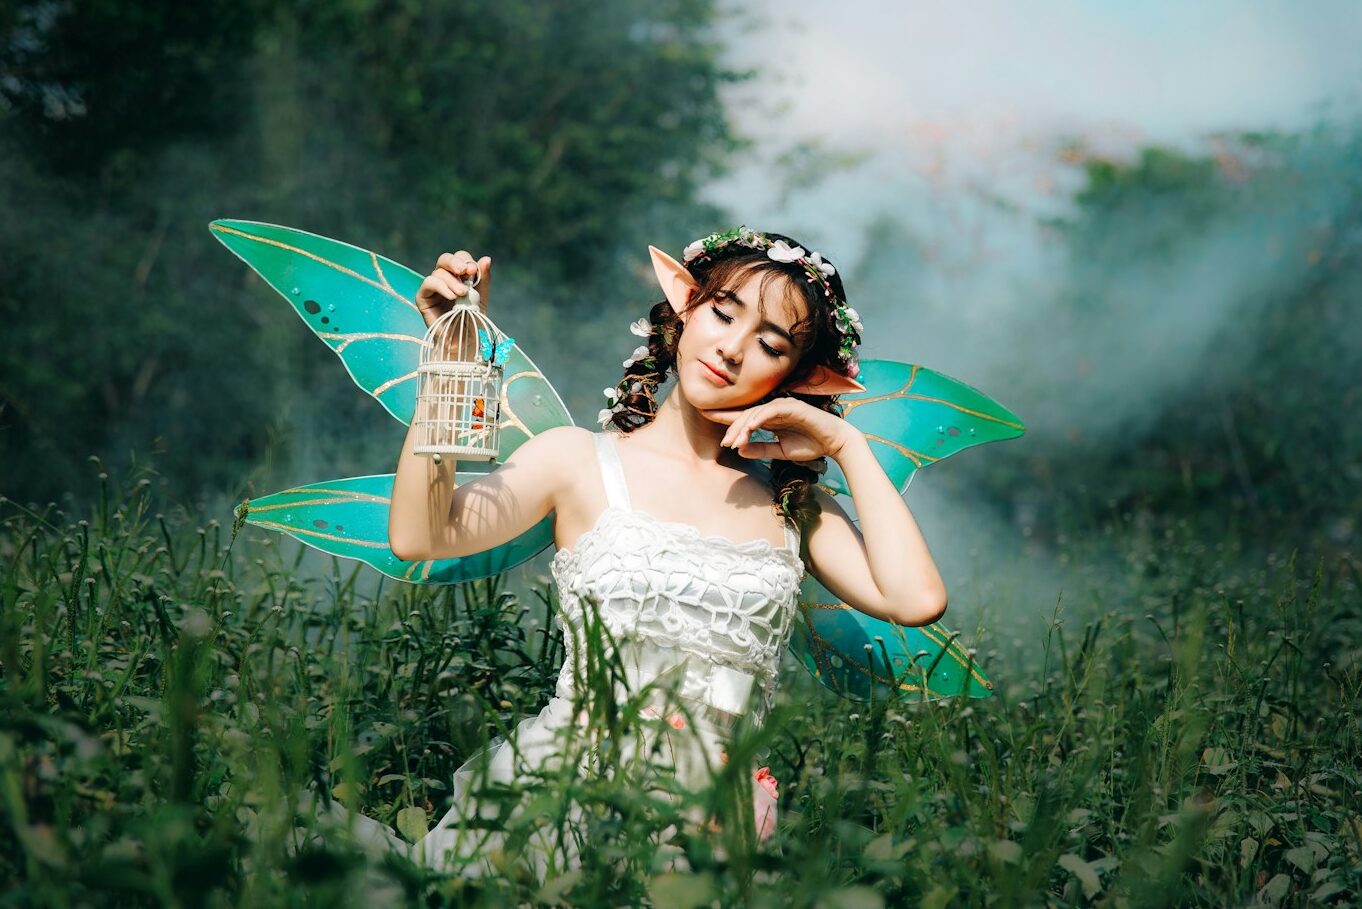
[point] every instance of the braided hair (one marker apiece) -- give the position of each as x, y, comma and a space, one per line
815, 334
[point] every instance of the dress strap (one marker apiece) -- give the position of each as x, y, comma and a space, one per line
612, 472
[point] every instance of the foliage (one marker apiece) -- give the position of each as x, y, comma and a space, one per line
552, 137
165, 696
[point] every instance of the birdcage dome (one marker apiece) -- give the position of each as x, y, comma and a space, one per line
458, 397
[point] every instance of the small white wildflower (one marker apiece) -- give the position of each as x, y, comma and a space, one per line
641, 327
639, 353
825, 267
690, 252
635, 388
783, 252
604, 417
611, 395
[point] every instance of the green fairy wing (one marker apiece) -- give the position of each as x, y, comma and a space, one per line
349, 518
912, 416
855, 654
363, 306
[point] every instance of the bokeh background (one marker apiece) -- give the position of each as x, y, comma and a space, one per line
1136, 225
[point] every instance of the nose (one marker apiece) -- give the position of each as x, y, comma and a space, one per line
723, 353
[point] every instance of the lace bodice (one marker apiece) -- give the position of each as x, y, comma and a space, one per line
664, 587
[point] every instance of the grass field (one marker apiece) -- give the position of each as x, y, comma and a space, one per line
1191, 738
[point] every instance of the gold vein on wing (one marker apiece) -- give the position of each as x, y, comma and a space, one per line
383, 286
902, 393
318, 534
509, 415
348, 338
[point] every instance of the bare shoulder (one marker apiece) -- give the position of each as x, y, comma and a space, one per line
559, 448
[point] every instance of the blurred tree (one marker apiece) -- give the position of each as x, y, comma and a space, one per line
560, 138
1258, 437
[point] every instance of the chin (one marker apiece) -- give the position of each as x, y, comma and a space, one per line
711, 397
707, 395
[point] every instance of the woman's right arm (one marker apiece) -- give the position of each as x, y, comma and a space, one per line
432, 518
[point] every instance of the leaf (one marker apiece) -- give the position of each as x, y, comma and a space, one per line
682, 891
411, 823
349, 518
1248, 848
855, 898
362, 305
1006, 851
883, 848
1275, 890
555, 889
1303, 857
1086, 874
939, 897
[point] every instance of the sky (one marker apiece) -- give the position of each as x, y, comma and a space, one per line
949, 94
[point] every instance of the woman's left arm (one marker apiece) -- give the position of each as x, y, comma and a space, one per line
884, 568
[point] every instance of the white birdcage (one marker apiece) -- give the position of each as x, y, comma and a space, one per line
458, 396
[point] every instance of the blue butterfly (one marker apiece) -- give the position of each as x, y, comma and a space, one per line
495, 356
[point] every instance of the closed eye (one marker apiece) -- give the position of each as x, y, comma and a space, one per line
726, 319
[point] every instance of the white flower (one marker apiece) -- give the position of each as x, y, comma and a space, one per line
782, 252
639, 353
825, 267
604, 416
611, 395
846, 316
690, 252
641, 327
635, 388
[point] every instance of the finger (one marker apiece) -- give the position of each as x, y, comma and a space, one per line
459, 287
435, 285
759, 450
446, 285
739, 431
459, 264
722, 416
753, 418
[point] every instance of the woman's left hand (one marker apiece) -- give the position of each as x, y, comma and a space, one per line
803, 432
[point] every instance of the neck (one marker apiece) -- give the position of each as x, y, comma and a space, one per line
678, 422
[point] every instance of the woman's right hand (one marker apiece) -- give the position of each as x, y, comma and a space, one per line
446, 284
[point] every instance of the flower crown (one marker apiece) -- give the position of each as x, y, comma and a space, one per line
847, 320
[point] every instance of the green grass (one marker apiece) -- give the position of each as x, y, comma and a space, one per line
165, 694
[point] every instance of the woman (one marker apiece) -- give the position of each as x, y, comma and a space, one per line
671, 535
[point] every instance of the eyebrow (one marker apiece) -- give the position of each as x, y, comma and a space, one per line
765, 323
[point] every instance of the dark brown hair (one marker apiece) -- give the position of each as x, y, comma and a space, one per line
816, 334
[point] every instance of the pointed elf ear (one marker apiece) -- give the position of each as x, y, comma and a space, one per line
823, 381
677, 283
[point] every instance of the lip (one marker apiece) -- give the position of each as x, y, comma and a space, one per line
721, 376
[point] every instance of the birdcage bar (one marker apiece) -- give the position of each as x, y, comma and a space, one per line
458, 390
457, 410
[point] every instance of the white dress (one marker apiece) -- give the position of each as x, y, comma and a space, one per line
713, 614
